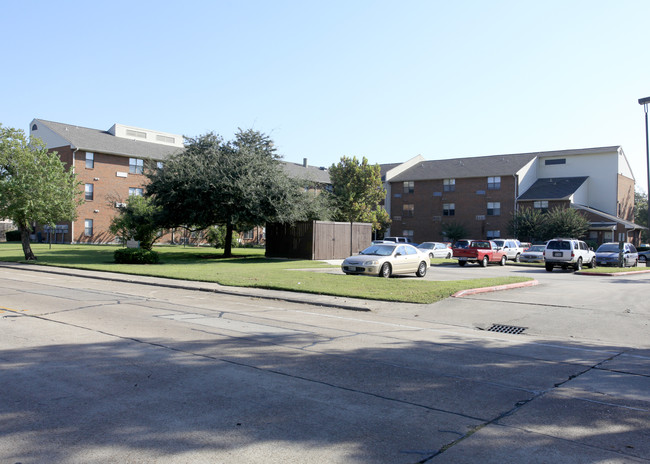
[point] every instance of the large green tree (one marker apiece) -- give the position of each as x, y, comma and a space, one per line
237, 184
529, 224
35, 186
138, 219
357, 190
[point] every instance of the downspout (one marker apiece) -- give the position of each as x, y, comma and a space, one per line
74, 153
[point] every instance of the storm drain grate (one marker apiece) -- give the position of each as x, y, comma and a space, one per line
508, 329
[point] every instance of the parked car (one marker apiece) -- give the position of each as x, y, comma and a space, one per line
608, 253
533, 254
399, 240
386, 259
512, 248
568, 252
644, 256
482, 252
436, 249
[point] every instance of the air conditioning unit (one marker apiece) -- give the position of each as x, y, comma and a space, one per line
120, 205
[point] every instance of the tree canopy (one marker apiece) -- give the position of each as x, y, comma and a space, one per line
35, 186
357, 190
532, 225
237, 184
138, 219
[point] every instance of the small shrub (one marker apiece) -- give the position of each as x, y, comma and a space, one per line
135, 256
13, 236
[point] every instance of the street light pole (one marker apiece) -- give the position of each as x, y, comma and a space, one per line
645, 101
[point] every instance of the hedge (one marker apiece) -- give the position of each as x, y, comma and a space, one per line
135, 256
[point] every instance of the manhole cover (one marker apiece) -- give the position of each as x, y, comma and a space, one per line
508, 329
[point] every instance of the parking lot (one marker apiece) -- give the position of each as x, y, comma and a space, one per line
102, 370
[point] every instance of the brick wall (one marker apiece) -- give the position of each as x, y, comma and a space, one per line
625, 198
470, 198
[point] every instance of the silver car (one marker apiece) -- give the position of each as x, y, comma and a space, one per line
436, 249
533, 254
386, 259
608, 253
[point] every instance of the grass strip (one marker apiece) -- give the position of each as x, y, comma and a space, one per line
249, 268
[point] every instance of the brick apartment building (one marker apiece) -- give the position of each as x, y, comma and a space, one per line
481, 193
110, 164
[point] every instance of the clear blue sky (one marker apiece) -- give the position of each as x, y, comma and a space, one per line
387, 80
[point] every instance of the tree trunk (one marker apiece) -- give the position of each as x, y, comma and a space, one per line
27, 248
227, 247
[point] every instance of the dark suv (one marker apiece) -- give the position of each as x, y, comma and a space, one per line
568, 252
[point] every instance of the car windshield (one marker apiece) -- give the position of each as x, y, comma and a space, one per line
426, 246
379, 250
499, 242
559, 245
608, 248
536, 248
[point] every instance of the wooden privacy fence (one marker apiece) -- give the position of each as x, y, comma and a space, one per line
317, 239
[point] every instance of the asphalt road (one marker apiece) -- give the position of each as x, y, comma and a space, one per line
96, 370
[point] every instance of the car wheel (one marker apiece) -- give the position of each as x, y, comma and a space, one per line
484, 261
385, 271
503, 260
591, 264
578, 266
430, 255
636, 263
518, 258
549, 267
422, 269
642, 259
449, 255
462, 263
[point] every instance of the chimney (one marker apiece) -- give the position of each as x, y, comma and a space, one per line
304, 162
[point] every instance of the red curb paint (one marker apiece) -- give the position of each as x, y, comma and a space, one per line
474, 291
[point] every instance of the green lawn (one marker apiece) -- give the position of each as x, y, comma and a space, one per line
249, 268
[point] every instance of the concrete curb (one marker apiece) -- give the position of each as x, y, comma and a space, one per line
474, 291
611, 274
350, 304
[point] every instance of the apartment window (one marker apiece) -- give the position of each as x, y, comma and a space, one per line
494, 183
409, 186
449, 209
494, 208
90, 160
493, 234
249, 235
159, 164
136, 165
90, 191
449, 185
88, 227
407, 210
555, 161
541, 205
407, 233
134, 191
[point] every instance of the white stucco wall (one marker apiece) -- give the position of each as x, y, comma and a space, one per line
600, 191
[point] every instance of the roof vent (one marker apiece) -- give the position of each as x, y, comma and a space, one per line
304, 162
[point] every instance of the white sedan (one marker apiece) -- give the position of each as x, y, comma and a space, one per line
386, 259
436, 249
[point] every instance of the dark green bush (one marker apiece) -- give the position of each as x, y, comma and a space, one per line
135, 256
13, 236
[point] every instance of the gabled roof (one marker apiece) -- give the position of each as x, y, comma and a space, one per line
309, 173
95, 140
609, 217
480, 166
557, 188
